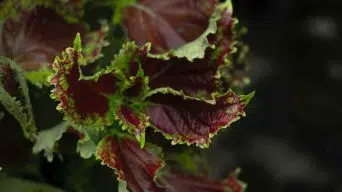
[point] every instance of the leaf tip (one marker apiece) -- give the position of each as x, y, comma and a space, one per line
247, 98
77, 42
141, 139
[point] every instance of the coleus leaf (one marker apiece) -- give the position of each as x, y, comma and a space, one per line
172, 25
12, 79
180, 79
34, 39
198, 76
134, 121
192, 120
176, 73
189, 120
71, 10
133, 165
131, 115
83, 99
195, 78
47, 139
86, 147
39, 77
181, 106
98, 100
142, 169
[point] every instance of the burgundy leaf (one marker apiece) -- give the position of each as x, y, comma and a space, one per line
224, 37
34, 39
135, 166
37, 36
134, 121
167, 24
139, 169
197, 78
192, 121
84, 101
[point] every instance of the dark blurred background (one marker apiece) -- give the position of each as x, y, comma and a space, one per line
291, 139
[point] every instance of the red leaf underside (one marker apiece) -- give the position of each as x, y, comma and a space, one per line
134, 165
167, 24
197, 78
139, 169
36, 37
193, 121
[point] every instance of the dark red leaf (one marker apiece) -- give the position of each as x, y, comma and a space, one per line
192, 121
197, 78
167, 24
85, 101
134, 121
133, 165
139, 169
37, 36
224, 37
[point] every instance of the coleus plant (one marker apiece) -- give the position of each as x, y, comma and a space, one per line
175, 75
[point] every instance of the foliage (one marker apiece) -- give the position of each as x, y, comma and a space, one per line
11, 79
178, 74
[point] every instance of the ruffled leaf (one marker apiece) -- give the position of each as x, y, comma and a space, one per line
223, 39
85, 100
200, 76
104, 97
139, 169
172, 24
86, 147
47, 139
33, 40
134, 166
232, 52
192, 121
179, 80
36, 37
39, 77
195, 78
135, 122
12, 79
